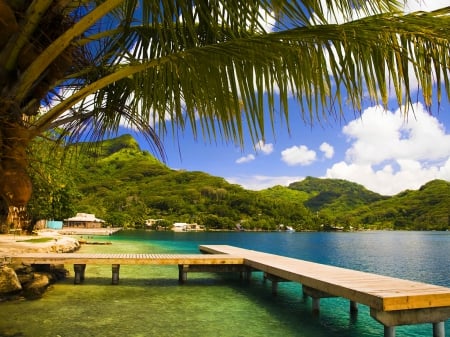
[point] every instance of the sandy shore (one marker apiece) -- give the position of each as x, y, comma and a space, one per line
56, 242
88, 231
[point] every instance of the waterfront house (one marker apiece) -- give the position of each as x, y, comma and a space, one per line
187, 227
83, 220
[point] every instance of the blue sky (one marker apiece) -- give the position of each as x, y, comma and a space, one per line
382, 150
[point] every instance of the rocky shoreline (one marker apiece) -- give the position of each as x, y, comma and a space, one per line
26, 281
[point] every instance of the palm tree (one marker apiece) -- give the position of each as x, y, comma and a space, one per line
210, 66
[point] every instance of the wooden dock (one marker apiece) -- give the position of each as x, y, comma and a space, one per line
186, 262
392, 301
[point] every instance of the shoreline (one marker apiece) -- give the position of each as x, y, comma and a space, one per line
47, 241
88, 231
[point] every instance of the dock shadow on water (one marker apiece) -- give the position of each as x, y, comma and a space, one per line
148, 301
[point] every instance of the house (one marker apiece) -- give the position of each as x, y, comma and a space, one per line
83, 220
186, 227
179, 227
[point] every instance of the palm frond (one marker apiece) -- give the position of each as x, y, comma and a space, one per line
213, 66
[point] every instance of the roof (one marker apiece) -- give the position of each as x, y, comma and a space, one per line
86, 217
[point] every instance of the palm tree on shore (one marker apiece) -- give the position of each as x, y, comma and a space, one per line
210, 67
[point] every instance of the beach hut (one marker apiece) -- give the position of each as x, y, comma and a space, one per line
83, 220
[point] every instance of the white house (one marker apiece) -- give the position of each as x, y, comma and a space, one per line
179, 227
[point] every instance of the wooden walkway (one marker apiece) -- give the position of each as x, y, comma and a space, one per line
392, 301
186, 262
163, 259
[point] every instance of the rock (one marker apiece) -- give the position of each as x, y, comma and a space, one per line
9, 282
24, 272
19, 281
37, 287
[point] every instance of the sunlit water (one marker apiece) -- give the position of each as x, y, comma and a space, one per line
150, 302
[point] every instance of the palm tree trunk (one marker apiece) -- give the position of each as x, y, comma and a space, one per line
15, 183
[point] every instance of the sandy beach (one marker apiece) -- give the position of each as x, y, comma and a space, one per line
43, 242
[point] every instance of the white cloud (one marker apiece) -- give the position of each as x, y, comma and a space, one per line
259, 147
298, 155
264, 148
245, 159
260, 182
389, 153
327, 150
425, 5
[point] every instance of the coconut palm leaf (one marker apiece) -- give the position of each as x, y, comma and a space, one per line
211, 67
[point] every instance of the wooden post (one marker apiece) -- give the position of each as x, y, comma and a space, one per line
304, 294
79, 270
182, 273
115, 274
439, 329
246, 275
353, 307
274, 287
316, 306
389, 331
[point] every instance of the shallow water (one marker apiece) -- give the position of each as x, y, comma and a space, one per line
150, 302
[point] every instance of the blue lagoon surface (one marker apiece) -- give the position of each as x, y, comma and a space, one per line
150, 302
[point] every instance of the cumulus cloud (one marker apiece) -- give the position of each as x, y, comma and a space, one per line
298, 155
259, 182
389, 153
263, 147
245, 159
327, 150
425, 5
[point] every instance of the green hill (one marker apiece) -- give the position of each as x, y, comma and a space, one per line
334, 195
425, 209
118, 182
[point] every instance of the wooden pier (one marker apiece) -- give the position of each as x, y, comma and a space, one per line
186, 262
392, 301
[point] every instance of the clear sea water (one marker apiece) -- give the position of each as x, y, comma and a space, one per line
150, 302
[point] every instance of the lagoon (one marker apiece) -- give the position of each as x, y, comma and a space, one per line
150, 302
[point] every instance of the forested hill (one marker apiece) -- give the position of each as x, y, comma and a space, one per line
124, 185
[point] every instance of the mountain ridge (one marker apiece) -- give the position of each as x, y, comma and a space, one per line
126, 185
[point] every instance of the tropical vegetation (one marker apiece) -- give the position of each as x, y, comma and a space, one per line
126, 186
76, 69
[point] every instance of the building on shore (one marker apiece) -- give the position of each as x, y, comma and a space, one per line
187, 227
83, 220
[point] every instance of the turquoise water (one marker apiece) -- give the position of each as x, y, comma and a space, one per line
150, 302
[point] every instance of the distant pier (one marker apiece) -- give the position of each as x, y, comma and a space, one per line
392, 301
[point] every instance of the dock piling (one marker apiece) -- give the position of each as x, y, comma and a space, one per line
353, 307
182, 273
115, 274
439, 329
79, 270
389, 331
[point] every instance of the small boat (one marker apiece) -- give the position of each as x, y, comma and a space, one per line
290, 229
